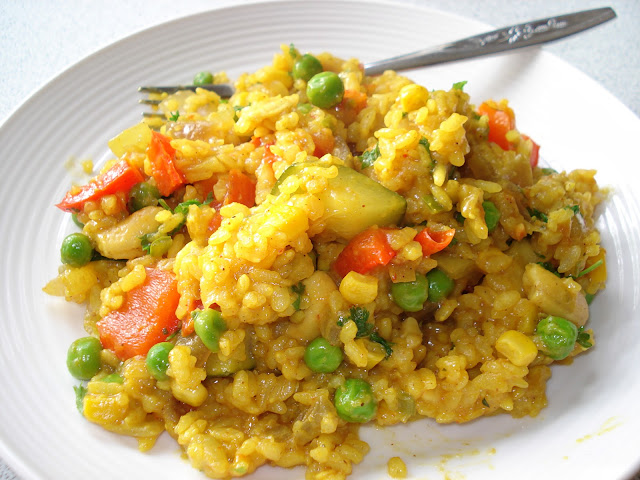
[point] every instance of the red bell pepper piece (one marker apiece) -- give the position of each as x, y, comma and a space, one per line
535, 152
433, 241
119, 178
162, 159
241, 189
364, 252
146, 317
500, 122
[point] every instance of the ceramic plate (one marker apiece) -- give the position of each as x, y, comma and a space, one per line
590, 427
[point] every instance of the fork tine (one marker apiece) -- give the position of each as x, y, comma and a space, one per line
147, 101
223, 89
153, 115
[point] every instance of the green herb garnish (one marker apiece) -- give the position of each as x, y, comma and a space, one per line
548, 171
370, 156
584, 339
174, 116
298, 290
80, 392
459, 85
485, 403
535, 213
548, 266
590, 268
360, 317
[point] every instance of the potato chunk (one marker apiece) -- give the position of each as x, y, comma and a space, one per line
557, 296
122, 241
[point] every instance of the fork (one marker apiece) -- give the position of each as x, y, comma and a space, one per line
508, 38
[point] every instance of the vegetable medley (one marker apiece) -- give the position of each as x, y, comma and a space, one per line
265, 273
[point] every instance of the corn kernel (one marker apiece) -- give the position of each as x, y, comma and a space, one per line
396, 468
517, 347
359, 289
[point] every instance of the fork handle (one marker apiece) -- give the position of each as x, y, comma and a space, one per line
507, 38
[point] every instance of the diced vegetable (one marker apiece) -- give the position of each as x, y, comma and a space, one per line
558, 336
241, 189
203, 78
410, 296
217, 367
157, 360
354, 401
440, 285
76, 250
322, 357
146, 317
535, 152
433, 241
161, 157
491, 215
119, 178
500, 123
306, 67
364, 252
122, 241
325, 89
353, 202
562, 297
83, 357
134, 139
209, 325
142, 195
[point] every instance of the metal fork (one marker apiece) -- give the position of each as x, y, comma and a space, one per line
508, 38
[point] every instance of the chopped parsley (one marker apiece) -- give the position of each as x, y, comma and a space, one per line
293, 53
535, 213
459, 85
548, 171
458, 216
574, 208
425, 143
485, 403
298, 290
584, 339
175, 116
80, 391
591, 268
360, 317
370, 156
548, 266
589, 297
146, 240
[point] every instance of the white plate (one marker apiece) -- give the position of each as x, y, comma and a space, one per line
591, 426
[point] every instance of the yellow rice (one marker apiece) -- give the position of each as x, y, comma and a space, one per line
474, 353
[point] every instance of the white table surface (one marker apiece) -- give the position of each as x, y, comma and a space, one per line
41, 38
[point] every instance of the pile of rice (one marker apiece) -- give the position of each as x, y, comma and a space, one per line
269, 270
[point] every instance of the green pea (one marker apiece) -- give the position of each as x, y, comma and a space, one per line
209, 325
76, 250
354, 401
410, 296
558, 336
112, 378
491, 215
322, 357
83, 357
157, 360
142, 195
203, 78
306, 67
440, 285
325, 89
